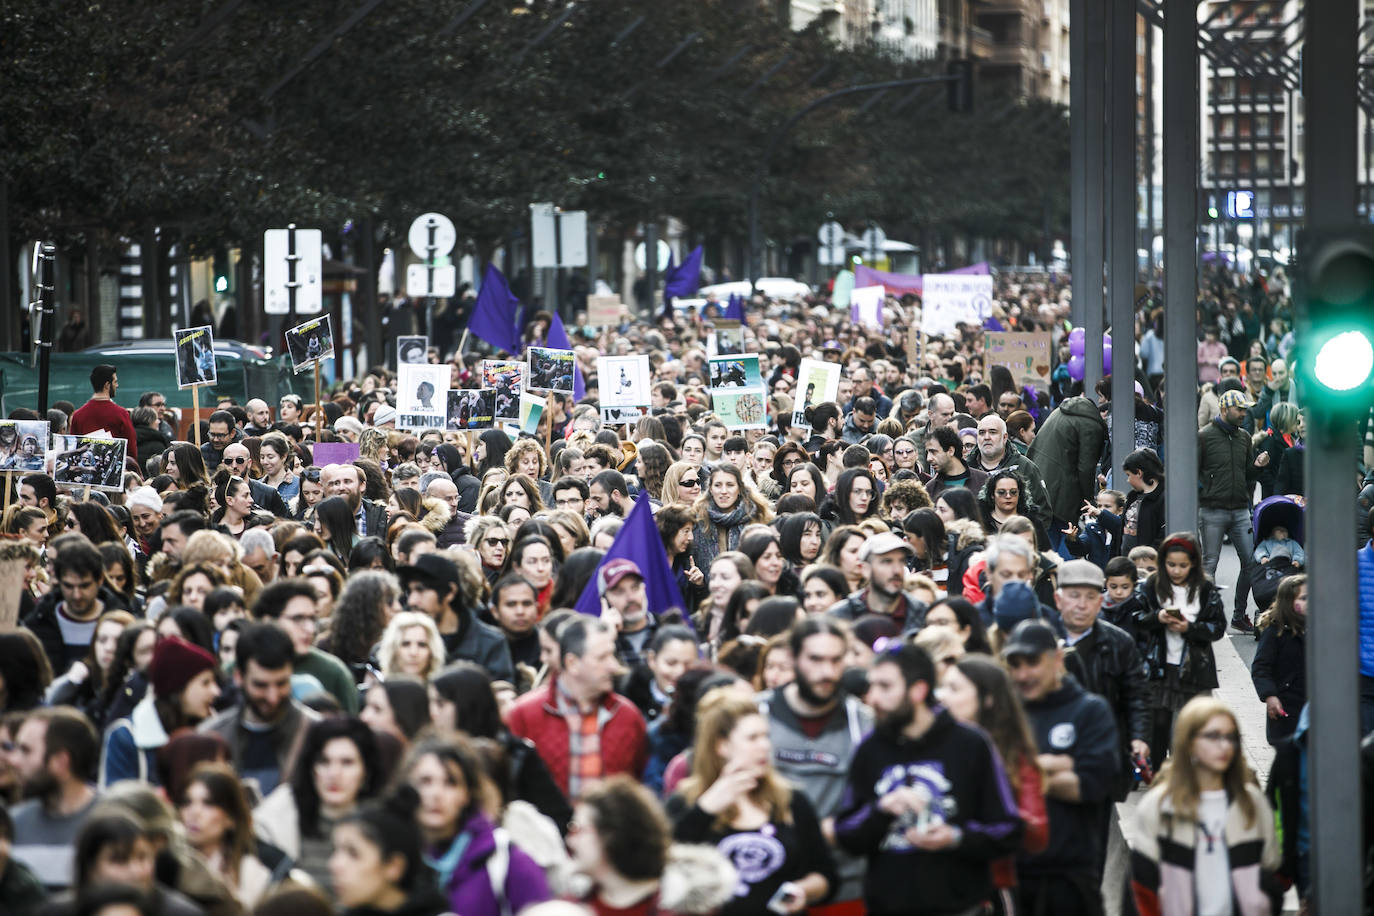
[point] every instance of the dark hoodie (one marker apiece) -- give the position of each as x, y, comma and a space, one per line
969, 790
478, 642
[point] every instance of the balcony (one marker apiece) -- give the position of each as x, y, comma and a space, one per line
980, 44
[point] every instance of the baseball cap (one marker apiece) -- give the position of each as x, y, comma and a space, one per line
883, 543
1031, 638
384, 414
613, 571
432, 570
1081, 572
1236, 399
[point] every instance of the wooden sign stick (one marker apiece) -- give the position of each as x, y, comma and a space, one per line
195, 412
319, 409
9, 485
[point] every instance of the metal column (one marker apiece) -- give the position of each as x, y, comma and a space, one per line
1121, 228
1088, 279
1078, 157
1180, 260
1329, 91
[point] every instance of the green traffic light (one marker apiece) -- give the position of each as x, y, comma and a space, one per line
1344, 362
1212, 212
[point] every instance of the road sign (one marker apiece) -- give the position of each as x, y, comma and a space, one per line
292, 259
418, 280
831, 237
432, 229
874, 239
664, 253
558, 238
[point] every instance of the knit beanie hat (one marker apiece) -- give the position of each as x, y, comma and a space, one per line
1015, 602
175, 662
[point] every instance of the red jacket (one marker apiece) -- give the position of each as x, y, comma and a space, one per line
97, 415
624, 748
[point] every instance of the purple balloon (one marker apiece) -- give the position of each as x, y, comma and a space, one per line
1076, 364
1107, 359
1076, 342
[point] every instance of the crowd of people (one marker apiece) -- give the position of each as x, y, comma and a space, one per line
927, 639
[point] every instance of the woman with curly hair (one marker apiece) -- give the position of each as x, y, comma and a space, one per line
372, 444
723, 512
368, 600
411, 646
1003, 496
903, 497
651, 465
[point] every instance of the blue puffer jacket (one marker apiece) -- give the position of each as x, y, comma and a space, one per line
1366, 561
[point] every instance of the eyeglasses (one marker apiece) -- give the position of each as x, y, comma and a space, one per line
214, 435
496, 542
1231, 738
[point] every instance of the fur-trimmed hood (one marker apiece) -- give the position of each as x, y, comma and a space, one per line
437, 515
969, 532
697, 880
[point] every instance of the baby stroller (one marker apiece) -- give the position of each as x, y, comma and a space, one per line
1270, 513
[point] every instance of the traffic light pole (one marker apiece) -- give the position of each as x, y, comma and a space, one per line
1180, 257
1329, 92
1121, 235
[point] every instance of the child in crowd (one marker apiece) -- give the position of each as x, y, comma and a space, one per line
1279, 544
1120, 604
1097, 537
1146, 561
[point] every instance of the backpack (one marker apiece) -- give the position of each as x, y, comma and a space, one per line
498, 870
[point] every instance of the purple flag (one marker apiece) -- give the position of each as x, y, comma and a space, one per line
734, 308
682, 280
639, 541
496, 315
558, 339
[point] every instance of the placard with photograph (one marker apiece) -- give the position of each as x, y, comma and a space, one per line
550, 370
531, 411
817, 382
412, 349
195, 357
89, 461
727, 339
422, 395
23, 443
471, 408
740, 409
505, 376
623, 380
735, 372
309, 342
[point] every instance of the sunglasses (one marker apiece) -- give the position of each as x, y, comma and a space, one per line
689, 482
496, 542
235, 460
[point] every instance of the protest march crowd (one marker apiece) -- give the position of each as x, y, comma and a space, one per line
895, 638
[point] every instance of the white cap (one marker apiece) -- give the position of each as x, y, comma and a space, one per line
145, 496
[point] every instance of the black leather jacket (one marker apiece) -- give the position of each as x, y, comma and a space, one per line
1106, 662
1198, 666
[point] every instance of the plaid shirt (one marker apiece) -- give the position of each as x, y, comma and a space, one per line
585, 767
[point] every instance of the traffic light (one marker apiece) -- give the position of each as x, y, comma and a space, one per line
1334, 293
960, 86
220, 269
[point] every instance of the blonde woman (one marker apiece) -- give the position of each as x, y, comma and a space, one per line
492, 482
1208, 814
681, 483
736, 800
411, 646
571, 529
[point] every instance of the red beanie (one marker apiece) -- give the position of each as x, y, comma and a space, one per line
175, 662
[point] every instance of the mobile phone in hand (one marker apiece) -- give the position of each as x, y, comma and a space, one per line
785, 898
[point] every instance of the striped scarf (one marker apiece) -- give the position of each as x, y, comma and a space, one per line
585, 766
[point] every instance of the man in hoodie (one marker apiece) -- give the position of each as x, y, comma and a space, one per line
1076, 735
434, 586
927, 801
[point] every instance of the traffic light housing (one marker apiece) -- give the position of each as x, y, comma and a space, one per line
1334, 295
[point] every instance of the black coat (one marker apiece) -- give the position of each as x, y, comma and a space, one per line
1198, 666
1149, 522
150, 441
266, 497
1107, 663
1280, 670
